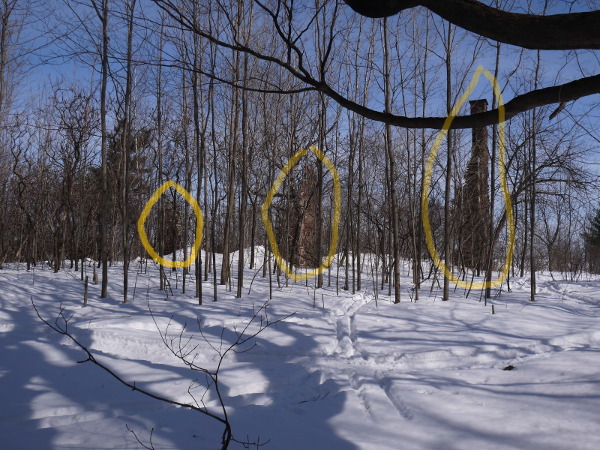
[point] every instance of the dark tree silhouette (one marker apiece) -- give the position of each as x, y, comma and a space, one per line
553, 32
592, 235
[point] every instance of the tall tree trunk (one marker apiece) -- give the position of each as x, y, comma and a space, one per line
211, 99
359, 229
319, 200
448, 187
233, 150
348, 231
532, 199
244, 187
187, 175
102, 12
130, 6
392, 167
245, 144
200, 145
423, 151
491, 233
159, 147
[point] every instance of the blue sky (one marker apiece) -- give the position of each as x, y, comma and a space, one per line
557, 66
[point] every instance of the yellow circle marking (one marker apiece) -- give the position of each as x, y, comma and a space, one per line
503, 185
337, 207
199, 225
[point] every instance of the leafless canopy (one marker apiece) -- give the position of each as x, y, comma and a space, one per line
562, 31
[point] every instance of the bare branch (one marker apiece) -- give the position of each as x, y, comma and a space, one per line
524, 102
138, 439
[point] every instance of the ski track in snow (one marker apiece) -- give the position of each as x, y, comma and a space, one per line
369, 388
343, 319
368, 381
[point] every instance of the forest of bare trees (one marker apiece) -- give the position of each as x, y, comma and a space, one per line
102, 101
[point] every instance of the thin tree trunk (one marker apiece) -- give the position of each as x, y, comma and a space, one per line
322, 130
159, 146
125, 145
244, 187
199, 141
102, 12
187, 175
233, 149
215, 177
447, 219
533, 185
488, 277
392, 169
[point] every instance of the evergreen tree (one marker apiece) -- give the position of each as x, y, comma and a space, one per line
592, 235
592, 243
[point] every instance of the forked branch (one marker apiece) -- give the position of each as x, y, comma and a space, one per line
182, 348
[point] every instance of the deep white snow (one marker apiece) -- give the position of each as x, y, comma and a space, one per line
352, 374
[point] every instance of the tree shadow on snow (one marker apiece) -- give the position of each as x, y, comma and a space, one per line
57, 403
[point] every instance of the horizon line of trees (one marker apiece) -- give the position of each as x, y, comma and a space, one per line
164, 102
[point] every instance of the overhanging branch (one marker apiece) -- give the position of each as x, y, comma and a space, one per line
539, 97
553, 32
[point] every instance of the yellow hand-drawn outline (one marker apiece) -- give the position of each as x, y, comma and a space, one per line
503, 185
199, 225
337, 206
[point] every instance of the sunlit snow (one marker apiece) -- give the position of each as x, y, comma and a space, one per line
355, 373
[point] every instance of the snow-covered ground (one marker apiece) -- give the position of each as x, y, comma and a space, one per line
344, 372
